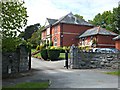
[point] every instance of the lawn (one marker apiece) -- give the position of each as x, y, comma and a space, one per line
28, 85
38, 55
114, 73
33, 50
62, 55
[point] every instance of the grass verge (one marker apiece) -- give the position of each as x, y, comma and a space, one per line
28, 85
114, 73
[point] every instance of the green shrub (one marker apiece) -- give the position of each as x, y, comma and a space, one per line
44, 54
53, 54
10, 44
61, 50
51, 43
48, 47
66, 48
53, 47
41, 47
37, 48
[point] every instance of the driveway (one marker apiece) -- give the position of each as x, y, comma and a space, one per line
61, 77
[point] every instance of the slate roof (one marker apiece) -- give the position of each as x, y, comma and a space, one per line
51, 21
68, 19
71, 19
117, 38
97, 30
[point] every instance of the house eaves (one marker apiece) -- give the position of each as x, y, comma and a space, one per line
51, 21
45, 28
117, 38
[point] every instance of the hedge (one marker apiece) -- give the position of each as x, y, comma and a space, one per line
53, 54
44, 54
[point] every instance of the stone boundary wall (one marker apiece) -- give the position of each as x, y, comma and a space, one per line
88, 60
14, 62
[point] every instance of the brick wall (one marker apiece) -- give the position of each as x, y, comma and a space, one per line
44, 33
66, 34
117, 44
70, 33
105, 41
56, 34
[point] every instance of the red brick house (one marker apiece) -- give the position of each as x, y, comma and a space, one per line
98, 37
64, 31
117, 42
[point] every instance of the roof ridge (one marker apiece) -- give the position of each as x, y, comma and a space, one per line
65, 16
60, 19
109, 30
52, 18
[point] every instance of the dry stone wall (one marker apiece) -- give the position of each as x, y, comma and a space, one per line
14, 62
87, 60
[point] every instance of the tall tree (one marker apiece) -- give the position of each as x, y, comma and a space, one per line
78, 16
29, 30
104, 20
36, 37
108, 19
13, 17
116, 20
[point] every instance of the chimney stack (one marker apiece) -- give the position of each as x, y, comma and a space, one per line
98, 29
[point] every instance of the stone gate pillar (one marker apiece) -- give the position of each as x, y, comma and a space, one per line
74, 57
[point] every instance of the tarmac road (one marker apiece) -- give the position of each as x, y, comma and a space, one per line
61, 77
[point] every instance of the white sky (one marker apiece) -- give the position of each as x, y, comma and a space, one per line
39, 10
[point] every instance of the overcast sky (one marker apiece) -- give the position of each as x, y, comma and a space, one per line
39, 10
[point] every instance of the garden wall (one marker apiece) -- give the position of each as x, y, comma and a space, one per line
14, 62
87, 60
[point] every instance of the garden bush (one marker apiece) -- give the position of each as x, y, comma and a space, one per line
37, 48
53, 54
61, 49
66, 48
41, 47
10, 44
44, 54
50, 43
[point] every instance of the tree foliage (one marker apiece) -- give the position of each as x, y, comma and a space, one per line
29, 30
104, 20
13, 17
36, 37
78, 16
116, 20
108, 19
